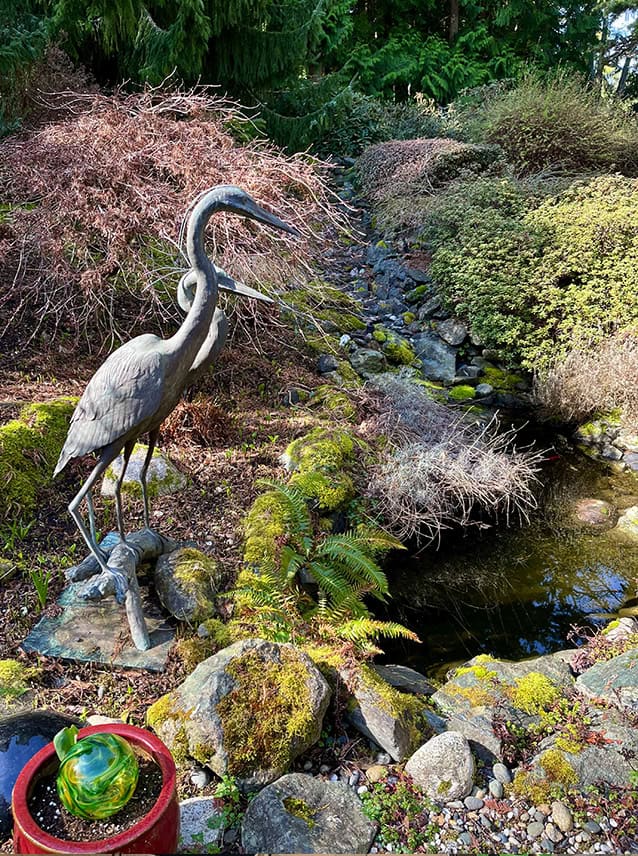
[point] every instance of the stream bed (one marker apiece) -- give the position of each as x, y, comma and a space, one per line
515, 592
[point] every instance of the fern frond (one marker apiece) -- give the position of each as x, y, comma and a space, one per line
363, 629
375, 541
345, 551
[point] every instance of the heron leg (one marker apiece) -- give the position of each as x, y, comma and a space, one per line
77, 517
89, 504
152, 440
128, 448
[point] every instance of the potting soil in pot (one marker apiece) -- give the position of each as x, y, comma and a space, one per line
51, 816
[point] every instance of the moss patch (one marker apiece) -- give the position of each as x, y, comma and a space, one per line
321, 459
534, 693
29, 448
500, 379
462, 392
300, 808
265, 523
397, 350
403, 706
14, 677
266, 713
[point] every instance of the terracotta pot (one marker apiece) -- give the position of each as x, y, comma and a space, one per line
156, 832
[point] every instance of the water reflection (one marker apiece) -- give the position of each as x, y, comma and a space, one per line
516, 593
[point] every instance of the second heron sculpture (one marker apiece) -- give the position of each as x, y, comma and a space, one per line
141, 382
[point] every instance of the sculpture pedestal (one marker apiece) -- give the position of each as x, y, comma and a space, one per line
99, 632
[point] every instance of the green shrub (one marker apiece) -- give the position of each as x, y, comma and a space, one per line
555, 121
535, 284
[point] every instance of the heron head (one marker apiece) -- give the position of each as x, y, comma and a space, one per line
237, 200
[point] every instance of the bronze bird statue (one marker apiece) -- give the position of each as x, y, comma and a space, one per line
141, 382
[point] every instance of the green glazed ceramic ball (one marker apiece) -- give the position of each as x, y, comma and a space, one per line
97, 777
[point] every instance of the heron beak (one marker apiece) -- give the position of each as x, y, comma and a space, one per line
229, 285
256, 212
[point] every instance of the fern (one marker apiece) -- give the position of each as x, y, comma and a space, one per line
364, 629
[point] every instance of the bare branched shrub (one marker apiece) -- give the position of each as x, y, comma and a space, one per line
92, 206
594, 380
440, 470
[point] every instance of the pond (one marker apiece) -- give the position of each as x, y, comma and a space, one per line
516, 591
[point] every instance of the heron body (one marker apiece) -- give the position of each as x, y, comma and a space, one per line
141, 382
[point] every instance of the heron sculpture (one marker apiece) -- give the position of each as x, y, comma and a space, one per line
141, 382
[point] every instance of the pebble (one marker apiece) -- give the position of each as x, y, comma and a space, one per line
547, 845
334, 777
539, 816
353, 779
496, 789
384, 759
553, 833
486, 822
465, 838
544, 809
501, 774
473, 803
362, 789
200, 778
324, 768
562, 816
307, 765
534, 829
592, 827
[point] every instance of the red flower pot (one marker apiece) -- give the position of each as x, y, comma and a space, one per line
156, 832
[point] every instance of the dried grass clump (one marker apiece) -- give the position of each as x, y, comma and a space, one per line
440, 471
600, 379
400, 177
92, 206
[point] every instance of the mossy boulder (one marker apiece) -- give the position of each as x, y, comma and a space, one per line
29, 448
162, 478
443, 767
248, 711
392, 719
186, 582
320, 461
397, 349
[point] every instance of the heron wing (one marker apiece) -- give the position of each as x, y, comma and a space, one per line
123, 393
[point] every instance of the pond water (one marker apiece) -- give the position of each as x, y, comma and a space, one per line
516, 591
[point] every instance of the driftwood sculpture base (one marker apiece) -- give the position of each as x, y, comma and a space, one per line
92, 626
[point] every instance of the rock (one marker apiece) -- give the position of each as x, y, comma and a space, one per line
627, 526
467, 373
552, 834
366, 361
8, 570
248, 711
419, 276
535, 828
300, 814
465, 838
473, 803
186, 582
200, 777
429, 308
382, 713
476, 726
200, 826
621, 628
376, 772
327, 363
631, 460
562, 816
21, 736
501, 774
443, 767
615, 681
98, 719
437, 357
452, 331
162, 478
483, 390
611, 453
595, 513
496, 789
404, 678
592, 827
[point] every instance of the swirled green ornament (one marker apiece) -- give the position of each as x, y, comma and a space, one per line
97, 776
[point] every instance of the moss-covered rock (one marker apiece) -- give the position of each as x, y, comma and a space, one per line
162, 478
462, 392
187, 581
397, 349
265, 523
29, 448
14, 678
247, 711
502, 380
320, 461
334, 402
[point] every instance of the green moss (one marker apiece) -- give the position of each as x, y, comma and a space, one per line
462, 392
196, 575
397, 349
483, 691
170, 481
500, 379
334, 402
14, 677
165, 718
534, 693
265, 523
328, 490
29, 448
266, 713
408, 318
218, 631
301, 809
530, 787
321, 459
557, 768
444, 787
417, 294
403, 706
194, 650
348, 375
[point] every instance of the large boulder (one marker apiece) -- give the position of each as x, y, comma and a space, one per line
392, 719
614, 681
301, 814
367, 361
248, 711
443, 767
186, 582
438, 359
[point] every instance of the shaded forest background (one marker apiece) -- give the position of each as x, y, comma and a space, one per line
303, 64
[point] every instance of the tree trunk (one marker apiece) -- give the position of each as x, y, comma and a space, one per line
453, 30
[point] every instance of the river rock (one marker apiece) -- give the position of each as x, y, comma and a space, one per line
231, 712
443, 767
596, 513
452, 331
437, 357
186, 582
627, 526
404, 678
562, 816
621, 628
327, 363
21, 736
376, 710
301, 814
200, 826
367, 361
501, 774
615, 681
162, 478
